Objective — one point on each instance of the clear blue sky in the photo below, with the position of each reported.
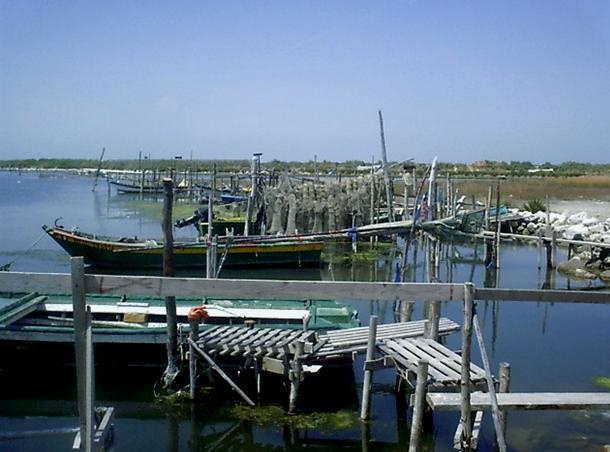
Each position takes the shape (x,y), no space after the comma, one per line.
(464,80)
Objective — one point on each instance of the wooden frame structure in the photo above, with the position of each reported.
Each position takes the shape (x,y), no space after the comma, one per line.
(466,293)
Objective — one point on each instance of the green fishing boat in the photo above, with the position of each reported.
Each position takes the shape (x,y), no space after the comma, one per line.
(141,253)
(141,320)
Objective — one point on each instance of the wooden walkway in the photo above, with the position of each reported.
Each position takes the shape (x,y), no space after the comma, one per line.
(256,342)
(524,401)
(277,343)
(355,339)
(444,365)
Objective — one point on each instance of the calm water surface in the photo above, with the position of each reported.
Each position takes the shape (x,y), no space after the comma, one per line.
(550,347)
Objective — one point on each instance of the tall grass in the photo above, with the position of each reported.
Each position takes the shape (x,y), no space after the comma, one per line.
(522,189)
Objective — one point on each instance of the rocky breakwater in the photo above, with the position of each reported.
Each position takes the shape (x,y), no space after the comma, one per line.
(588,261)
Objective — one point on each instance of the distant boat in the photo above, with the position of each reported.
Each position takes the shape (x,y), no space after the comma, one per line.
(123,187)
(126,252)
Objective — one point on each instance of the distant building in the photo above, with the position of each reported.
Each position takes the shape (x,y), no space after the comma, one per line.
(540,170)
(368,168)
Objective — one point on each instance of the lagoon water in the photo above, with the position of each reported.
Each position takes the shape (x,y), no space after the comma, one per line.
(559,347)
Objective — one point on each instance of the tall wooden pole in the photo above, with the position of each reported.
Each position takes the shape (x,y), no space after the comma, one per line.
(386,171)
(193,359)
(99,168)
(498,228)
(419,405)
(368,373)
(432,192)
(83,363)
(250,206)
(466,415)
(168,270)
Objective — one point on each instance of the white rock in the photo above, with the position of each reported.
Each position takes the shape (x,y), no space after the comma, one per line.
(571,231)
(589,221)
(577,217)
(596,227)
(540,216)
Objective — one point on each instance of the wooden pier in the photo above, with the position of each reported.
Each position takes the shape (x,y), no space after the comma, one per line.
(405,346)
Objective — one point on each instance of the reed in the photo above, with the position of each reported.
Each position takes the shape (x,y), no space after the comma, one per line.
(522,189)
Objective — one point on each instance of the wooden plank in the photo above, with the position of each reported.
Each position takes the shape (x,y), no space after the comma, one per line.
(80,338)
(211,332)
(421,350)
(104,429)
(234,344)
(236,347)
(524,401)
(20,309)
(476,430)
(249,349)
(224,338)
(27,434)
(273,365)
(254,347)
(272,289)
(231,288)
(491,389)
(220,372)
(284,344)
(17,302)
(453,360)
(352,336)
(551,296)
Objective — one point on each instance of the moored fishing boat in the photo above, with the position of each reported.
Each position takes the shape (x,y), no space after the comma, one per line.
(141,320)
(142,253)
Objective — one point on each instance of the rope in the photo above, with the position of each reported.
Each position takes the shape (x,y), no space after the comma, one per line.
(7,266)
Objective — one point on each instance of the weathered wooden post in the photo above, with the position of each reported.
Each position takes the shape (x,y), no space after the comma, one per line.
(553,248)
(368,371)
(434,316)
(168,270)
(406,310)
(495,410)
(372,209)
(295,375)
(215,256)
(386,171)
(539,248)
(498,228)
(405,206)
(432,191)
(504,386)
(465,411)
(419,405)
(83,347)
(549,255)
(211,204)
(487,208)
(193,359)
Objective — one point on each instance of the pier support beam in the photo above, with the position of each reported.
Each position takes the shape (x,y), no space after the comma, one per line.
(365,409)
(295,376)
(466,414)
(504,386)
(419,405)
(193,360)
(168,270)
(84,353)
